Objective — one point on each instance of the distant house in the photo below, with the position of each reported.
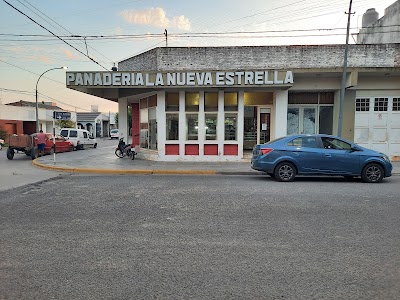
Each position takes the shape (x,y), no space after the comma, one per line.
(20,117)
(97,123)
(383,30)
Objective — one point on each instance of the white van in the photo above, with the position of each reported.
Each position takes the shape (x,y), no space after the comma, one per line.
(114,133)
(81,138)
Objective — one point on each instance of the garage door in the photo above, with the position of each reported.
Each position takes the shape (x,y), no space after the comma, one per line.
(377,124)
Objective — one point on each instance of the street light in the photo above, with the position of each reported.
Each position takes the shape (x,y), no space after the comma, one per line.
(37,106)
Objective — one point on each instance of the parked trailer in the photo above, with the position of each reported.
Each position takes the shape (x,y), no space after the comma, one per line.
(22,143)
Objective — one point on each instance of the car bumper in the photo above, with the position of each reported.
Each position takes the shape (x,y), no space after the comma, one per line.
(258,165)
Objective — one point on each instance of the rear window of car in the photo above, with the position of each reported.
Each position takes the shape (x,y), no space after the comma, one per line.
(114,131)
(309,142)
(273,141)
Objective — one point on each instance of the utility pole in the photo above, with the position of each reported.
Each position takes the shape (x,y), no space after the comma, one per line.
(343,85)
(166,38)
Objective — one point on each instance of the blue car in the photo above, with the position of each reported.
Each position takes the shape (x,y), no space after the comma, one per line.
(319,154)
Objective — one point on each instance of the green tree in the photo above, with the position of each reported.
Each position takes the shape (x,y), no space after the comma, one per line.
(65,124)
(129,118)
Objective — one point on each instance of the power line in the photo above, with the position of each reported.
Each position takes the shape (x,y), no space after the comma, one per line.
(145,36)
(55,35)
(52,20)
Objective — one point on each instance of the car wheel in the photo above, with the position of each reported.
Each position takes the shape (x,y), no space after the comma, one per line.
(132,155)
(372,173)
(51,152)
(119,153)
(285,171)
(10,153)
(71,148)
(95,145)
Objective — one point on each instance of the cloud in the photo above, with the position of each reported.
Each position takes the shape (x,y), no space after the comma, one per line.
(155,17)
(44,59)
(69,54)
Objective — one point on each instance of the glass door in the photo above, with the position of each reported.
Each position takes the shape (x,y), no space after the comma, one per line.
(301,120)
(309,120)
(250,127)
(264,125)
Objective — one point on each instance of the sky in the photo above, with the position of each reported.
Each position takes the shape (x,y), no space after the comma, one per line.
(95,34)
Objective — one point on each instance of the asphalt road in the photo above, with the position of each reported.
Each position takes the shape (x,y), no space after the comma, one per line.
(19,171)
(200,237)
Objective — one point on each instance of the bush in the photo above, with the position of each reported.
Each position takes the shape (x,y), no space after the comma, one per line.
(65,124)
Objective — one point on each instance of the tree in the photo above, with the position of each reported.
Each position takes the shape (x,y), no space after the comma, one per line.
(65,124)
(129,118)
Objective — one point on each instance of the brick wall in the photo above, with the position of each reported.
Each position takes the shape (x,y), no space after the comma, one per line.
(12,126)
(266,57)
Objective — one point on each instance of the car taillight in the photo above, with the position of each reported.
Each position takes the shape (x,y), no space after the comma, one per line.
(265,151)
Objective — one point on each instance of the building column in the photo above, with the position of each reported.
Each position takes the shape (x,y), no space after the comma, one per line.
(280,113)
(221,123)
(161,123)
(123,119)
(201,124)
(240,123)
(182,124)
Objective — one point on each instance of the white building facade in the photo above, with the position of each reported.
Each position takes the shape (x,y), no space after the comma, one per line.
(215,103)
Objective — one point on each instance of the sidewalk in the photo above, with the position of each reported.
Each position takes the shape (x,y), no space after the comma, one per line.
(104,161)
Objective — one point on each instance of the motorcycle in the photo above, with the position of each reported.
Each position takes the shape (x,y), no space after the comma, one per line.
(125,150)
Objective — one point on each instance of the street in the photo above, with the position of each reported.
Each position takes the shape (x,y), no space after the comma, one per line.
(200,237)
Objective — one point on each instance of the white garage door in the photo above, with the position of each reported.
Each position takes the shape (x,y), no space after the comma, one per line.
(377,124)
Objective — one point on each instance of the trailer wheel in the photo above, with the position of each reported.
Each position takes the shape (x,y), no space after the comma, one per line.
(10,153)
(34,153)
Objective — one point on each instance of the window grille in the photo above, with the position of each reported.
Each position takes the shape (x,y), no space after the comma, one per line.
(396,104)
(362,104)
(381,104)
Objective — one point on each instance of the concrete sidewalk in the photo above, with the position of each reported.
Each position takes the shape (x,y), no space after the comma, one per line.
(103,161)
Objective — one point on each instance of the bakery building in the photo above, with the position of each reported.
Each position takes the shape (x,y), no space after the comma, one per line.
(215,103)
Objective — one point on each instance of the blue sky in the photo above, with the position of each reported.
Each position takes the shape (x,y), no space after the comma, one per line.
(24,58)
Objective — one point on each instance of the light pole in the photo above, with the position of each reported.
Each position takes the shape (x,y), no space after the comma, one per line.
(37,106)
(343,84)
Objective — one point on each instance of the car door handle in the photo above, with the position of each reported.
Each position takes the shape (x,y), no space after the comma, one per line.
(328,155)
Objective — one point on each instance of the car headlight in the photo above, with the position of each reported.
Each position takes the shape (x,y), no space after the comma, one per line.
(385,157)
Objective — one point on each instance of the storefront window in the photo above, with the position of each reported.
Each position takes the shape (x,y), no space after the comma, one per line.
(325,119)
(293,120)
(152,129)
(192,101)
(172,102)
(211,126)
(210,101)
(231,101)
(310,112)
(192,127)
(230,127)
(172,127)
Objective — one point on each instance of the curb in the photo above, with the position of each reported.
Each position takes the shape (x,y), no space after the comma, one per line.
(112,171)
(148,172)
